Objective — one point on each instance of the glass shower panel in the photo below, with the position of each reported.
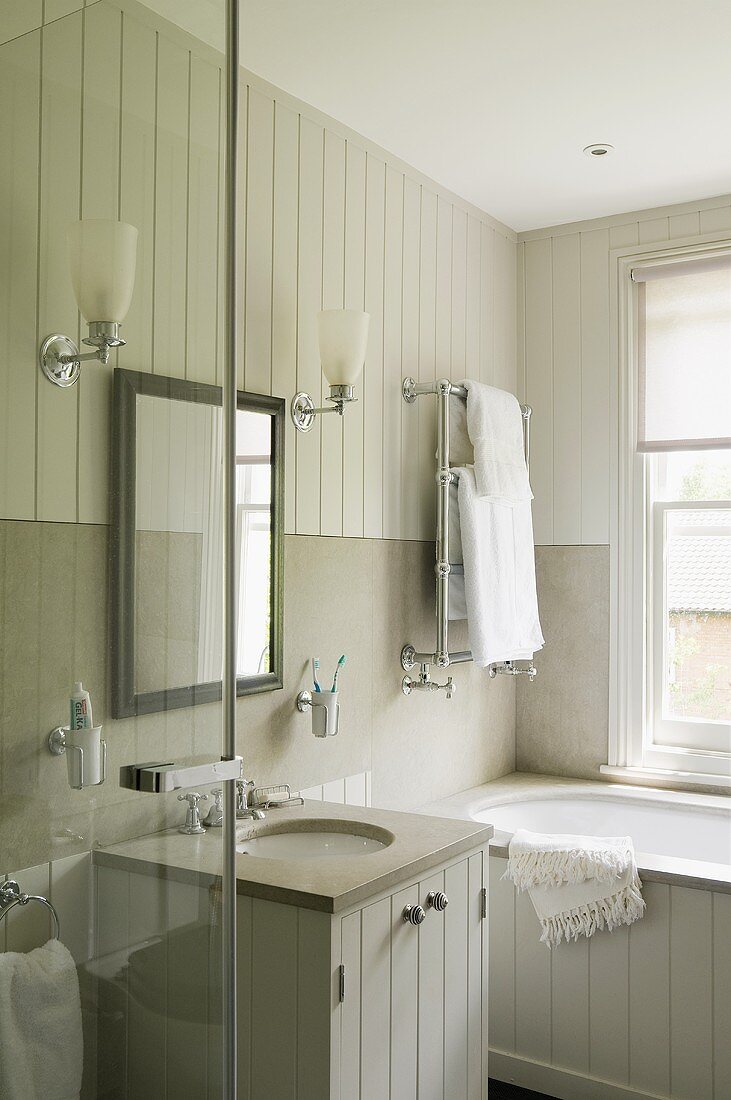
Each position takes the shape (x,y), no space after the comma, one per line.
(113,110)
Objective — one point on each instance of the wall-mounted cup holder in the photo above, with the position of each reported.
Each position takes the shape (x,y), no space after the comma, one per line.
(325,711)
(85,752)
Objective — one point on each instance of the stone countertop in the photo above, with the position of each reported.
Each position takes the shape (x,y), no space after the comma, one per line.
(328,885)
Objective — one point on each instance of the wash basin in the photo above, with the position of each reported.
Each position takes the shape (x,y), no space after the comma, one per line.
(324,839)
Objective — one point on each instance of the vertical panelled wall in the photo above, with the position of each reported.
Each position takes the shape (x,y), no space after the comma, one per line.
(565,367)
(128,126)
(333,222)
(134,117)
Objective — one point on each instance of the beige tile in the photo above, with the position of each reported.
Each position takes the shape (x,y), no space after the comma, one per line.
(327,611)
(426,746)
(562,717)
(358,596)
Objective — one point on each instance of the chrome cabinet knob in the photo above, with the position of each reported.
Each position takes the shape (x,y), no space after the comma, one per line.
(414,914)
(438,900)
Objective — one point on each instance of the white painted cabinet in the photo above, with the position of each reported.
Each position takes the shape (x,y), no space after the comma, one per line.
(361,1005)
(413,1016)
(353,1005)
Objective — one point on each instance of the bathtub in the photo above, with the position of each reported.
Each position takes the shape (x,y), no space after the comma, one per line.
(644,1011)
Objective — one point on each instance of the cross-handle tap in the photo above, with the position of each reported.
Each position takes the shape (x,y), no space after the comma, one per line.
(425,683)
(244,787)
(192,814)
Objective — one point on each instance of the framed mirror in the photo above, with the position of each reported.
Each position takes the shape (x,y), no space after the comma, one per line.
(166,552)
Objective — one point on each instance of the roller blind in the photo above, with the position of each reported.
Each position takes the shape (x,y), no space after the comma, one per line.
(684,331)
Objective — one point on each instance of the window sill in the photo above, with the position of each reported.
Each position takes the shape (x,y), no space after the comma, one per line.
(661,777)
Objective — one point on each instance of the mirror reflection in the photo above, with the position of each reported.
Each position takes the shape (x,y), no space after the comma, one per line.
(168,512)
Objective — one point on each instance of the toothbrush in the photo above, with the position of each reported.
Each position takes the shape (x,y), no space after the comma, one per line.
(315,670)
(339,665)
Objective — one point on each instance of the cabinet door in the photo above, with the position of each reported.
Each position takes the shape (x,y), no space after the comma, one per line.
(414,1016)
(453,987)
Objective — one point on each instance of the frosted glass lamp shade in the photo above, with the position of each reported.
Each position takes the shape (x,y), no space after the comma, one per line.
(343,337)
(102,255)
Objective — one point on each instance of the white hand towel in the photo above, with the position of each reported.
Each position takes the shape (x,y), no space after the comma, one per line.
(495,427)
(499,576)
(457,603)
(41,1044)
(578,884)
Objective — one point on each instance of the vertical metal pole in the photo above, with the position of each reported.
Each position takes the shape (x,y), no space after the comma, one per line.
(228,921)
(444,478)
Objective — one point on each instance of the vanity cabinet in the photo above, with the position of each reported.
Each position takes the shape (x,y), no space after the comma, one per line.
(339,998)
(362,1005)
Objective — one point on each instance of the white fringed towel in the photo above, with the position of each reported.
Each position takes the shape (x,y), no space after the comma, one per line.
(41,1044)
(578,884)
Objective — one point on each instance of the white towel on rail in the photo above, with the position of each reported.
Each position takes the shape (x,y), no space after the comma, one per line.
(578,884)
(41,1044)
(499,576)
(457,603)
(495,428)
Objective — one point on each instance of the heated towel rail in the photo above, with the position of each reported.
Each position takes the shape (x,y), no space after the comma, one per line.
(445,476)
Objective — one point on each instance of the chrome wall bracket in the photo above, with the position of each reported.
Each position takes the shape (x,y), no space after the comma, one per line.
(60,359)
(424,681)
(85,767)
(303,411)
(510,668)
(158,778)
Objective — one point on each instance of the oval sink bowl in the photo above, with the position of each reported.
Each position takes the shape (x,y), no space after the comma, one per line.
(313,844)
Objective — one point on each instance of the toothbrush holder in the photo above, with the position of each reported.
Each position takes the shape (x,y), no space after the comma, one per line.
(325,711)
(86,755)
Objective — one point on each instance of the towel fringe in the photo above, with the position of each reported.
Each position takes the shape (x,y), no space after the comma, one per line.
(624,907)
(556,868)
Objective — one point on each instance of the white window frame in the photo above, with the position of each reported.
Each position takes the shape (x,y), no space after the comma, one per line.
(694,733)
(629,754)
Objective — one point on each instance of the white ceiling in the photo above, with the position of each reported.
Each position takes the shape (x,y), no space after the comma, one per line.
(495,99)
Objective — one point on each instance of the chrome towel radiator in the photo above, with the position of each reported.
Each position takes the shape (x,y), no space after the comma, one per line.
(11,895)
(441,657)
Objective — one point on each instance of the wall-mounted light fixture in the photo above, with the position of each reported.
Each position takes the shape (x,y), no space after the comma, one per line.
(343,337)
(102,255)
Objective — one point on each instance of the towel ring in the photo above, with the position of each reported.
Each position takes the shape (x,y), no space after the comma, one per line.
(11,895)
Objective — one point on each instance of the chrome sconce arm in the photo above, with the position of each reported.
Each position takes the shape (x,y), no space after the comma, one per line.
(59,357)
(303,411)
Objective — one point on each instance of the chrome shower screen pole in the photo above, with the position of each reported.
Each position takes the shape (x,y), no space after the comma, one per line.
(228,747)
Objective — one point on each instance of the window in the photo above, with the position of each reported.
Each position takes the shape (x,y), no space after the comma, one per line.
(672,655)
(688,644)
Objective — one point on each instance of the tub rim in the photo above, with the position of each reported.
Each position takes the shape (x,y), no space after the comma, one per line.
(528,787)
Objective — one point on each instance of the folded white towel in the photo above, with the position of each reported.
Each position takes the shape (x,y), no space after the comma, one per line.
(499,575)
(495,428)
(41,1044)
(578,884)
(461,452)
(457,602)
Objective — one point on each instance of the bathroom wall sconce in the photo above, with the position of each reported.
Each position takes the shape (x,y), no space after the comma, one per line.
(102,256)
(343,338)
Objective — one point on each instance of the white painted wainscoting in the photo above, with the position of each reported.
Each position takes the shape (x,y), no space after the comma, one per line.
(642,1012)
(565,370)
(328,220)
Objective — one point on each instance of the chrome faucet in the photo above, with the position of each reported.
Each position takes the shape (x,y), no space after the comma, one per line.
(193,814)
(425,683)
(244,787)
